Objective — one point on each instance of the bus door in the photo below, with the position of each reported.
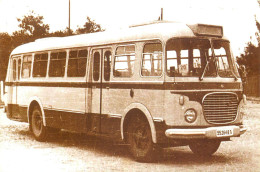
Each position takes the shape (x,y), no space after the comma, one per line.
(16,78)
(98,79)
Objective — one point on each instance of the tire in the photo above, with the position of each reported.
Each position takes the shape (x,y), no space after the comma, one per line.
(38,129)
(205,147)
(139,139)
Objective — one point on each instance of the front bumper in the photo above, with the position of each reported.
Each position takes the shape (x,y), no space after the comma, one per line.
(210,132)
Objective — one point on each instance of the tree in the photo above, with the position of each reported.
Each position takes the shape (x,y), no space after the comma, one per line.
(5,50)
(59,33)
(89,27)
(251,57)
(33,25)
(32,28)
(20,37)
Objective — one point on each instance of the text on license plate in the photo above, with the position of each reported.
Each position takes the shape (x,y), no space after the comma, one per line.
(224,132)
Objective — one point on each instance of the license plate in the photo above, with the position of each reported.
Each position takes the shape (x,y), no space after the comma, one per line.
(224,132)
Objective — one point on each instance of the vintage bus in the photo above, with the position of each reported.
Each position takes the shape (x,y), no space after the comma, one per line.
(158,84)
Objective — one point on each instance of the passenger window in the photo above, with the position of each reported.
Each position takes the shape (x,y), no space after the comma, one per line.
(57,64)
(124,61)
(26,67)
(107,65)
(14,69)
(152,60)
(77,63)
(40,65)
(19,68)
(96,66)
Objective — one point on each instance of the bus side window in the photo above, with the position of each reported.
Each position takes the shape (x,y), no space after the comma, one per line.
(26,67)
(14,69)
(40,65)
(96,66)
(57,64)
(124,61)
(152,60)
(77,63)
(107,65)
(19,68)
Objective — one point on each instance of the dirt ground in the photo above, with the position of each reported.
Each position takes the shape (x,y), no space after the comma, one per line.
(73,152)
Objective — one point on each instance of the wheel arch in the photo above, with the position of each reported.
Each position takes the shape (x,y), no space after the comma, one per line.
(34,101)
(134,107)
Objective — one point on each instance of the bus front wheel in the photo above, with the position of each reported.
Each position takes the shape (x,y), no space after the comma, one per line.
(204,147)
(38,129)
(139,138)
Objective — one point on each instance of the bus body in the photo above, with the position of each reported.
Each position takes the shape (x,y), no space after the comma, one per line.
(163,83)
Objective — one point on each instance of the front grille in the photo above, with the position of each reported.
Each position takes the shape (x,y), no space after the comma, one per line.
(220,108)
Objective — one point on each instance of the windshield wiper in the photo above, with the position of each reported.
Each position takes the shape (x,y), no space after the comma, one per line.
(213,55)
(204,71)
(208,60)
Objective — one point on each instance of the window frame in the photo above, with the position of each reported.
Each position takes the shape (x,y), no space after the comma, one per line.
(47,63)
(68,58)
(22,66)
(179,58)
(96,51)
(122,55)
(110,64)
(162,59)
(50,60)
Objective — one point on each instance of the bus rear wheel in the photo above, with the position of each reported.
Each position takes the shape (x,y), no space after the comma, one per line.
(140,141)
(38,129)
(204,147)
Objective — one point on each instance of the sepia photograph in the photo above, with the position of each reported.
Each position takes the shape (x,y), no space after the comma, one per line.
(152,85)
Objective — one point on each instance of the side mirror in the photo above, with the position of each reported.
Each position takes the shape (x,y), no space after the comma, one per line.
(172,71)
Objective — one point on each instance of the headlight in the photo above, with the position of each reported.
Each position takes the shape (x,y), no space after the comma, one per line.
(190,115)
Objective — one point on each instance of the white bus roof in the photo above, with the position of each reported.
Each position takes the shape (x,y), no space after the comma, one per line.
(156,30)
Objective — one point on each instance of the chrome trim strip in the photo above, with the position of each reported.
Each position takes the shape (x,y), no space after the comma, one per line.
(180,91)
(63,110)
(157,119)
(115,116)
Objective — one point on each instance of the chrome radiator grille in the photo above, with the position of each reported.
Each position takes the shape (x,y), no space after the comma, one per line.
(220,108)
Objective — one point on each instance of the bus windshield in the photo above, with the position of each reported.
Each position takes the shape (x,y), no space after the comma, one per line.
(195,57)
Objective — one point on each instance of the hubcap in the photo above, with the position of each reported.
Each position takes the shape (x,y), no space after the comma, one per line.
(37,123)
(141,138)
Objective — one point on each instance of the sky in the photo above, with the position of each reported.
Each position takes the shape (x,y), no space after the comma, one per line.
(236,16)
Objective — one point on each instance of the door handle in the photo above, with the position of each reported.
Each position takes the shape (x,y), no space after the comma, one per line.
(132,92)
